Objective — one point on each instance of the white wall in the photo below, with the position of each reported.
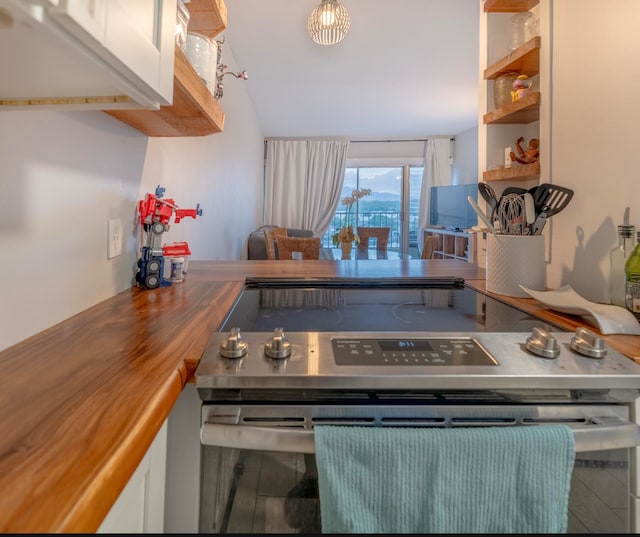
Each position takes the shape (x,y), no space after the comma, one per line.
(595,114)
(63,175)
(465,158)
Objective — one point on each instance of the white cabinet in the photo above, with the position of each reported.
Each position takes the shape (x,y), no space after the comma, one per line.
(87,54)
(182,500)
(140,506)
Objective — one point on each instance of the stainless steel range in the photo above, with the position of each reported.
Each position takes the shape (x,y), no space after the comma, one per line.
(297,354)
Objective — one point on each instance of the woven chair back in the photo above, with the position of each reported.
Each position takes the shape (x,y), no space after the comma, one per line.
(308,246)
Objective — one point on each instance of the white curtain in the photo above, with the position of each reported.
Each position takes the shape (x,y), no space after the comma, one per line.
(303,182)
(437,172)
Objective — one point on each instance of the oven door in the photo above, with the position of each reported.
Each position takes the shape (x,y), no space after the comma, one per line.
(258,472)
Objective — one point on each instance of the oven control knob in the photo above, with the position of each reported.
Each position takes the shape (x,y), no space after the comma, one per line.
(234,346)
(542,343)
(278,346)
(588,343)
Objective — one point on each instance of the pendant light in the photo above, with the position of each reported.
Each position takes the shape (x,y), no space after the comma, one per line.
(328,23)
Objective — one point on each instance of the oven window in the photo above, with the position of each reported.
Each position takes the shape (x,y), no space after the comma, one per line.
(259,492)
(246,491)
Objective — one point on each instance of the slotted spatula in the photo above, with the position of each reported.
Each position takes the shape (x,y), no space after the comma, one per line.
(489,196)
(549,200)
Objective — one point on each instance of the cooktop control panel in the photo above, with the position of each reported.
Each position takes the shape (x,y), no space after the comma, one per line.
(410,352)
(395,360)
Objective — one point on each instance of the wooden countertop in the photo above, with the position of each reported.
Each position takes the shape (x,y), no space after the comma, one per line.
(82,401)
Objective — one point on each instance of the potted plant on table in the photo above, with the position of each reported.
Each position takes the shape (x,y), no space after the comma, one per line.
(347,236)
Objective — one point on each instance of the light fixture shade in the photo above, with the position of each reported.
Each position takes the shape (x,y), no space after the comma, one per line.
(328,23)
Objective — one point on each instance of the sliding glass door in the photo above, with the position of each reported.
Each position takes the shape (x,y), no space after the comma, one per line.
(394,202)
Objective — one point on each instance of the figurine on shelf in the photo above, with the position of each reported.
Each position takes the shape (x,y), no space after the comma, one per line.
(527,156)
(521,87)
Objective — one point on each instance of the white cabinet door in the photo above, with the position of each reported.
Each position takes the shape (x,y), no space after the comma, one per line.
(88,16)
(141,34)
(140,506)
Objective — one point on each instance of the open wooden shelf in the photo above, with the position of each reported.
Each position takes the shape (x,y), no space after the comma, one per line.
(194,111)
(509,6)
(522,111)
(520,172)
(207,17)
(525,60)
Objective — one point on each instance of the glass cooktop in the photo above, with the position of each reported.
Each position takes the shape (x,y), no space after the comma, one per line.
(411,304)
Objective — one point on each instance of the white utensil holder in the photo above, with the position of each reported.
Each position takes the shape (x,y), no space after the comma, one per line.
(513,260)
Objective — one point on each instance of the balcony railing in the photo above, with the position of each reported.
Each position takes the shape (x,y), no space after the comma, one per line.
(375,219)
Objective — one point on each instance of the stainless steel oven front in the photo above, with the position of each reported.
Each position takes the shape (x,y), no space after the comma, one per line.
(263,393)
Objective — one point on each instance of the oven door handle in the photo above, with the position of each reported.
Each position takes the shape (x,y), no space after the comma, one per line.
(601,434)
(257,438)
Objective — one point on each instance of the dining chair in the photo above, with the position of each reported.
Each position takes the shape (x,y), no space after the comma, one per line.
(270,236)
(380,233)
(429,246)
(309,247)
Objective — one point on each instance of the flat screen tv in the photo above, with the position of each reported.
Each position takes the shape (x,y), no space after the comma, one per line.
(449,207)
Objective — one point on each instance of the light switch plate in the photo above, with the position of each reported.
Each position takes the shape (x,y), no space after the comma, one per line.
(507,157)
(114,238)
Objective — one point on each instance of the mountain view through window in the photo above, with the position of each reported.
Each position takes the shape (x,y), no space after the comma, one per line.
(394,202)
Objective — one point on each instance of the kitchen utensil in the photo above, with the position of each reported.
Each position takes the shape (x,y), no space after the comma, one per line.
(547,194)
(489,196)
(482,216)
(529,211)
(549,200)
(511,212)
(513,190)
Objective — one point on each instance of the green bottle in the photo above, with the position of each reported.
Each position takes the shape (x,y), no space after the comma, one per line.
(632,272)
(617,258)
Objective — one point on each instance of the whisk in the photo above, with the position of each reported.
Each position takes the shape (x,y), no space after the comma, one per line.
(511,211)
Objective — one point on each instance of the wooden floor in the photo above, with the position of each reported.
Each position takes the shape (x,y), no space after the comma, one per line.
(598,501)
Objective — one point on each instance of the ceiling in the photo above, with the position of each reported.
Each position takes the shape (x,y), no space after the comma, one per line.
(407,68)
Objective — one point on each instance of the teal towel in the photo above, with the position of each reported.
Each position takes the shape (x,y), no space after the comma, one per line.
(425,480)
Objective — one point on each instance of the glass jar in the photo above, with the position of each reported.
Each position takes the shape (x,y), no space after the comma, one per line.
(520,29)
(202,53)
(182,23)
(502,88)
